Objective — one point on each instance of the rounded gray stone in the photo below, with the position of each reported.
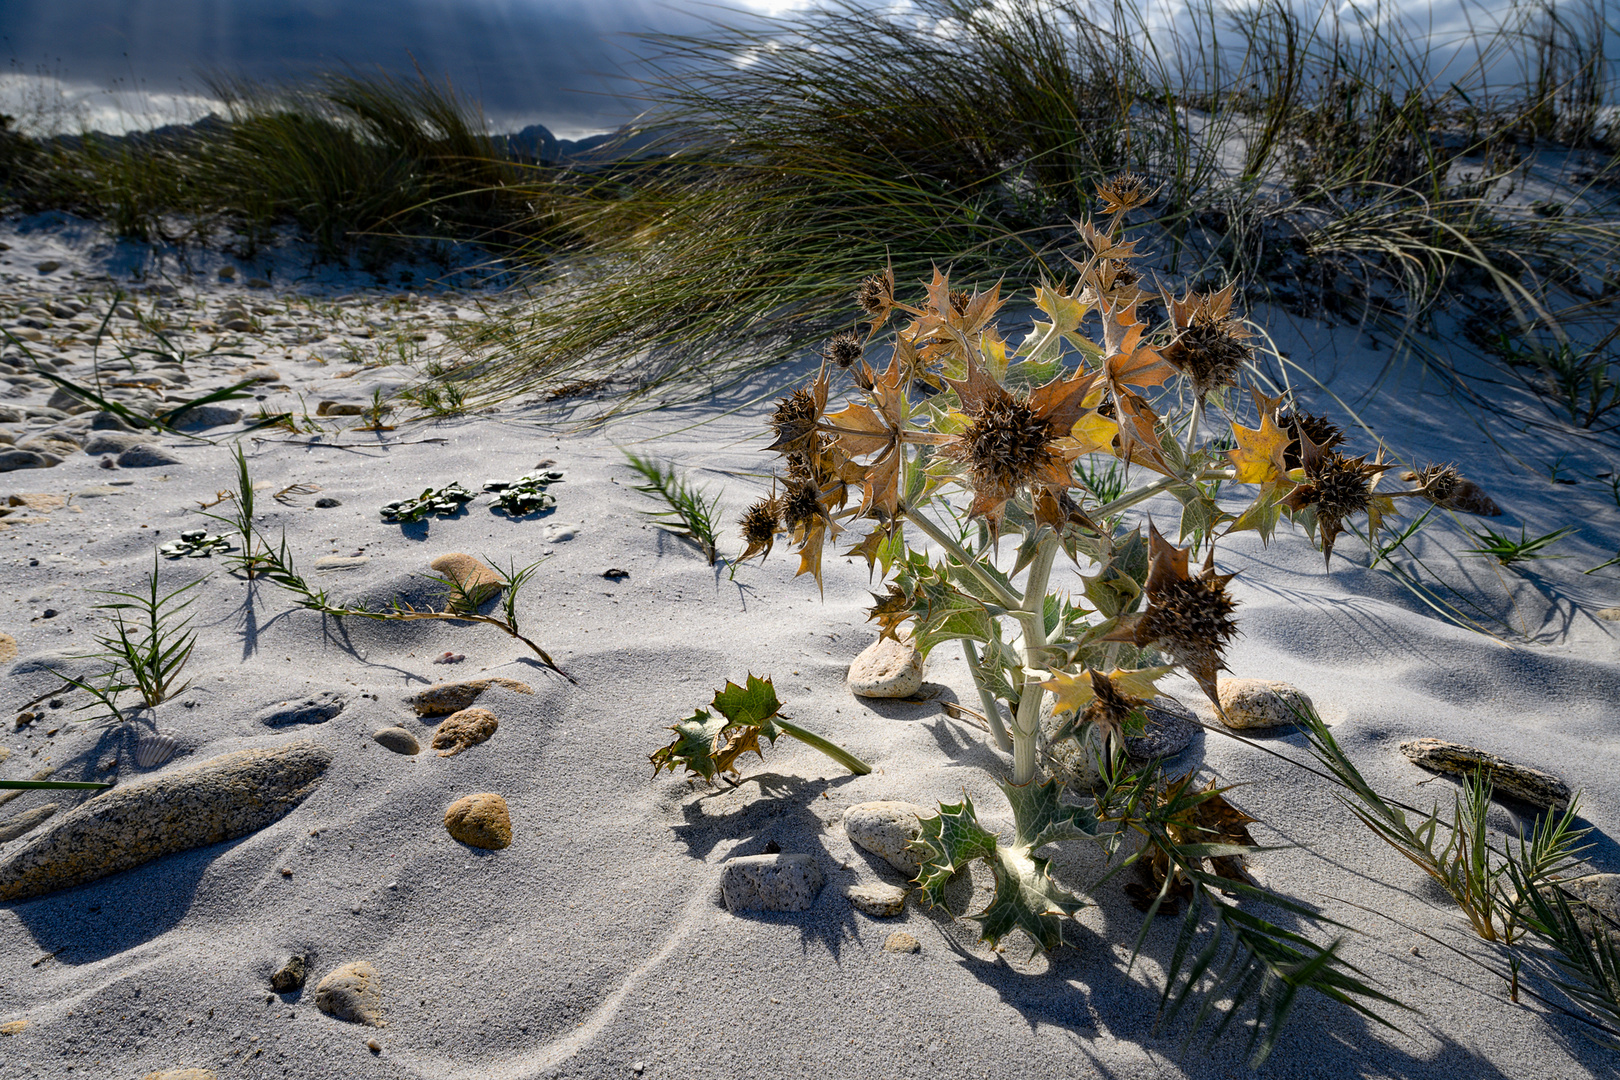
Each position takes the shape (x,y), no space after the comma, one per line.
(145,457)
(771,883)
(12,460)
(208,803)
(398,740)
(25,822)
(886,829)
(116,442)
(207,416)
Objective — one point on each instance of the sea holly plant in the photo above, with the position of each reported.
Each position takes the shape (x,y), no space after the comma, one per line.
(527,494)
(708,744)
(1011,458)
(444,502)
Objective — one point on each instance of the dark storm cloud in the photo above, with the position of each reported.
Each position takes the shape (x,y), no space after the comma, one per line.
(550,60)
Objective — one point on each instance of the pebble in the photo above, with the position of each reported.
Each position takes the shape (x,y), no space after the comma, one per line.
(1170,727)
(326,502)
(472,576)
(1261,703)
(441,699)
(339,408)
(207,416)
(1609,614)
(25,822)
(480,821)
(47,266)
(463,730)
(12,460)
(398,740)
(1517,781)
(182,1074)
(886,828)
(901,942)
(352,992)
(881,900)
(771,883)
(115,442)
(317,709)
(146,457)
(1598,896)
(886,669)
(8,648)
(291,975)
(13,1027)
(332,564)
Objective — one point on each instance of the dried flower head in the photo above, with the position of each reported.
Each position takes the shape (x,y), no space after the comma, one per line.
(760,524)
(1321,431)
(1444,486)
(875,294)
(1124,192)
(801,504)
(794,423)
(1013,442)
(843,348)
(960,301)
(1112,710)
(1189,618)
(1335,487)
(1211,352)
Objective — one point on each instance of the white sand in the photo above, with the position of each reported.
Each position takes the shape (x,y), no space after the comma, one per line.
(596,944)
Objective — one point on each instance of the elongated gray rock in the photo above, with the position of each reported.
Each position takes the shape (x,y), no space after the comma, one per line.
(771,883)
(208,803)
(1507,778)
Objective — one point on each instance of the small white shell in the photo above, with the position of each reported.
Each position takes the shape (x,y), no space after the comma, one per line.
(153,748)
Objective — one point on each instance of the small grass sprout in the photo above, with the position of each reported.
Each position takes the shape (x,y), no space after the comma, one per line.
(1507,550)
(691,512)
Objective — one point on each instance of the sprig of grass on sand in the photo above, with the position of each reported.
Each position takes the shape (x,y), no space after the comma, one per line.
(691,513)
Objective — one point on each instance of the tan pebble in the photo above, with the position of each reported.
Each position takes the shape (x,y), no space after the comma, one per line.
(463,730)
(886,669)
(352,992)
(472,576)
(880,901)
(374,1046)
(902,942)
(480,821)
(441,699)
(12,1027)
(181,1074)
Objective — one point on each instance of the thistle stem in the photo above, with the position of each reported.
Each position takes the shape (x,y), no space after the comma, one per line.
(1027,721)
(992,712)
(831,749)
(1192,424)
(1003,595)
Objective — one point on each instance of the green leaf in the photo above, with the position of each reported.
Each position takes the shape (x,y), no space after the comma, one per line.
(694,747)
(1040,817)
(752,705)
(1026,899)
(50,785)
(949,841)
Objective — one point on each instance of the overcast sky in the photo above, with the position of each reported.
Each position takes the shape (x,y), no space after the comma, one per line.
(560,62)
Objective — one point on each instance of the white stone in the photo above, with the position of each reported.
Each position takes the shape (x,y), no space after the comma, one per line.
(771,883)
(1262,703)
(886,829)
(887,669)
(881,900)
